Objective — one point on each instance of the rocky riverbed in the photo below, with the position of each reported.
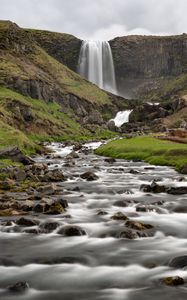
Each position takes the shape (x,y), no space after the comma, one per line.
(74,225)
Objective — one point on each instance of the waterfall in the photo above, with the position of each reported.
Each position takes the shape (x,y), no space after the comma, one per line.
(122,117)
(96,64)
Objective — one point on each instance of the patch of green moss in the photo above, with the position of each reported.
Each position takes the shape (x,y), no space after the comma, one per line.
(149,149)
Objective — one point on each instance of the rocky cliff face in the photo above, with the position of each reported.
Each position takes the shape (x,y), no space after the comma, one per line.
(143,63)
(63,47)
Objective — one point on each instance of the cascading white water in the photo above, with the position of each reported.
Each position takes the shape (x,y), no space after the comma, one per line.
(122,117)
(96,64)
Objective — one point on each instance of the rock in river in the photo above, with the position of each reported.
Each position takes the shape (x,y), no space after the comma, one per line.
(72,230)
(89,176)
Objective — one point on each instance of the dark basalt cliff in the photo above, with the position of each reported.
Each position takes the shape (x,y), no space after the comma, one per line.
(144,63)
(63,47)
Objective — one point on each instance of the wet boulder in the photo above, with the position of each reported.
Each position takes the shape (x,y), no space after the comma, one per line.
(102,213)
(55,209)
(111,125)
(178,262)
(173,281)
(77,146)
(119,216)
(181,190)
(32,231)
(110,160)
(128,234)
(21,286)
(11,212)
(184,169)
(89,176)
(38,168)
(53,176)
(26,205)
(69,162)
(134,172)
(16,155)
(48,189)
(72,230)
(72,154)
(138,225)
(147,208)
(153,188)
(49,226)
(27,222)
(121,203)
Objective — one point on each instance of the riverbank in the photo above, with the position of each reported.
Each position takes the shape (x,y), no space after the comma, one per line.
(148,149)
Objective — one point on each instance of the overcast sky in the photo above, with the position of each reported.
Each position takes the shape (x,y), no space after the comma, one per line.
(99,19)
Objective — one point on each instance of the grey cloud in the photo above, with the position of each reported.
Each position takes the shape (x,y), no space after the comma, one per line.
(107,18)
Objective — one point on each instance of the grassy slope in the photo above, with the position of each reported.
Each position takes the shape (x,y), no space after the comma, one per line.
(170,86)
(21,58)
(48,123)
(149,149)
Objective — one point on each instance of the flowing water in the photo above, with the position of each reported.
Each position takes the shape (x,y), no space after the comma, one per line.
(100,265)
(122,117)
(96,64)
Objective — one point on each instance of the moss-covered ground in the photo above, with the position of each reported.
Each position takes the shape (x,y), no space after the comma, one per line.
(149,149)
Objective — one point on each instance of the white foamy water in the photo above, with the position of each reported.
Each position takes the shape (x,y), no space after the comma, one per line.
(96,64)
(122,117)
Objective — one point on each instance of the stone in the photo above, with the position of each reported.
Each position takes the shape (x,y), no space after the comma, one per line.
(153,188)
(77,146)
(20,175)
(55,209)
(27,222)
(39,208)
(184,169)
(11,212)
(72,230)
(49,226)
(63,202)
(53,176)
(119,216)
(19,287)
(39,168)
(128,234)
(73,154)
(27,205)
(16,155)
(173,281)
(181,190)
(102,213)
(110,160)
(120,203)
(138,225)
(48,189)
(111,125)
(132,171)
(89,176)
(69,163)
(7,185)
(178,262)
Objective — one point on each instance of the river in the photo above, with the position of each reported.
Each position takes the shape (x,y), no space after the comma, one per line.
(100,265)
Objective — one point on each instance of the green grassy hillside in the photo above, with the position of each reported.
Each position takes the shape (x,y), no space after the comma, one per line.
(40,98)
(149,149)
